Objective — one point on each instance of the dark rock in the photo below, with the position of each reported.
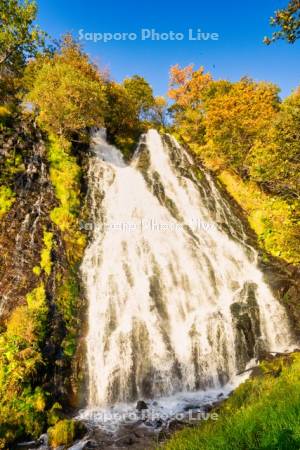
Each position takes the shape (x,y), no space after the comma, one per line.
(207,408)
(189,407)
(141,405)
(158,423)
(175,425)
(126,440)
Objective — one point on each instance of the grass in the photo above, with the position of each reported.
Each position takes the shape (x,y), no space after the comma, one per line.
(262,414)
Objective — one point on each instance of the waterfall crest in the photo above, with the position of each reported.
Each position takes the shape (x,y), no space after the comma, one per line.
(176,300)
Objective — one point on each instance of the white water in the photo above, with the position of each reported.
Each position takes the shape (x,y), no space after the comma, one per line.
(161,277)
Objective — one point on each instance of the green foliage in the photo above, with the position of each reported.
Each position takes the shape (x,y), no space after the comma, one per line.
(65,177)
(288,21)
(64,432)
(272,218)
(5,116)
(11,166)
(54,414)
(187,89)
(37,270)
(11,161)
(69,305)
(140,94)
(22,405)
(234,118)
(68,91)
(262,414)
(22,416)
(20,38)
(7,199)
(122,118)
(46,262)
(275,160)
(130,111)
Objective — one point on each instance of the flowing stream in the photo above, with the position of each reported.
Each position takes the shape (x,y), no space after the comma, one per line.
(177,303)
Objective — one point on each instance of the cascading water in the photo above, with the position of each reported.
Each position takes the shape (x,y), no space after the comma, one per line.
(176,301)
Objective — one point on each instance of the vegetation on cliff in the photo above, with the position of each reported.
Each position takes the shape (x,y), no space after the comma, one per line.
(251,140)
(22,401)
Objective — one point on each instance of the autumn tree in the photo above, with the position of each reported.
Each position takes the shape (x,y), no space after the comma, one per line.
(274,161)
(288,22)
(20,38)
(122,118)
(221,119)
(187,90)
(140,94)
(67,90)
(159,112)
(235,114)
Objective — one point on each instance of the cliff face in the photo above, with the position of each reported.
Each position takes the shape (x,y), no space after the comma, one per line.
(34,255)
(24,168)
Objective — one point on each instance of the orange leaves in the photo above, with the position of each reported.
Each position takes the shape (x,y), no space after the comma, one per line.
(180,76)
(187,85)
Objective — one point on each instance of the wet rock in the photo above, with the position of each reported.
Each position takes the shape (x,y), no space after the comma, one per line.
(207,408)
(128,440)
(158,423)
(246,322)
(141,405)
(80,445)
(29,444)
(176,424)
(43,439)
(189,407)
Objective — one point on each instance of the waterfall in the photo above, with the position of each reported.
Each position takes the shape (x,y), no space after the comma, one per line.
(176,300)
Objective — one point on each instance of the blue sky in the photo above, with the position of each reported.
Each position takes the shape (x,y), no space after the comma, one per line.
(239,51)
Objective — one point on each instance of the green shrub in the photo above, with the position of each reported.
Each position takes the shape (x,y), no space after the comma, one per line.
(7,199)
(46,263)
(64,432)
(5,115)
(22,405)
(68,301)
(54,414)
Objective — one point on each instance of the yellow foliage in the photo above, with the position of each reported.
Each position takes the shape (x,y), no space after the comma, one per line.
(46,262)
(270,217)
(68,91)
(62,433)
(7,199)
(22,325)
